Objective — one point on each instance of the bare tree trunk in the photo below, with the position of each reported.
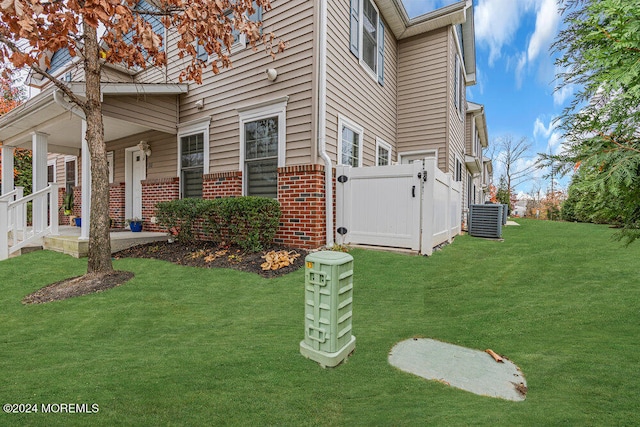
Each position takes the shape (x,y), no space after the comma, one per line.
(99,242)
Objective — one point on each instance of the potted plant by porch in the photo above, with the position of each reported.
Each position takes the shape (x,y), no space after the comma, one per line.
(135,224)
(67,207)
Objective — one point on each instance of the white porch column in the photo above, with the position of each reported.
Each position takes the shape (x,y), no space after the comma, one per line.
(7,169)
(39,178)
(86,185)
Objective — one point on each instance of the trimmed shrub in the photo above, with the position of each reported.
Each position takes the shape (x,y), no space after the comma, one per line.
(249,222)
(179,216)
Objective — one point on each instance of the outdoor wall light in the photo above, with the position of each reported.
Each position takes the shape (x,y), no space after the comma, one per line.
(144,147)
(272,74)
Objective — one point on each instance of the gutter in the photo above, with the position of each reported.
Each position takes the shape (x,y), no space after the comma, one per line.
(322,123)
(58,97)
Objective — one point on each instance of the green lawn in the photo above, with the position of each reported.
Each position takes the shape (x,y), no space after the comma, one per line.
(183,346)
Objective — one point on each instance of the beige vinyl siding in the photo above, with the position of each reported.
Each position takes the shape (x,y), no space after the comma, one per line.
(246,85)
(456,142)
(353,93)
(156,112)
(423,86)
(163,160)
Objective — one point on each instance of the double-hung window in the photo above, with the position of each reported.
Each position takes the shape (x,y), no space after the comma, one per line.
(367,37)
(192,164)
(70,173)
(383,153)
(262,142)
(350,140)
(51,171)
(193,156)
(239,39)
(458,171)
(458,87)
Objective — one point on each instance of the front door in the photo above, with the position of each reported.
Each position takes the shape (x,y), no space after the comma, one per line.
(136,164)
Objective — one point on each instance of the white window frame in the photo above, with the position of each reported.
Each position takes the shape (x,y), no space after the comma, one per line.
(110,156)
(382,144)
(458,166)
(68,159)
(190,128)
(358,130)
(276,107)
(372,73)
(235,47)
(425,153)
(457,95)
(55,169)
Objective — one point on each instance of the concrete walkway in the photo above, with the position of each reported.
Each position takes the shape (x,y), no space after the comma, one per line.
(471,370)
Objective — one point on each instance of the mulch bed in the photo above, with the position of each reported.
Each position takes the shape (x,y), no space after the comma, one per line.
(77,286)
(195,254)
(208,255)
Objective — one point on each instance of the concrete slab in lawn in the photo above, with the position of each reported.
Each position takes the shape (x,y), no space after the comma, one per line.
(471,370)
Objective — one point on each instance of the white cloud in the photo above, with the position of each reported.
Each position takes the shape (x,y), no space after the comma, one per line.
(562,94)
(547,22)
(520,70)
(496,22)
(549,135)
(542,131)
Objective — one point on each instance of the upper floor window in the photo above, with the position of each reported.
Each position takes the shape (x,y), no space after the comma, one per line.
(239,39)
(458,87)
(367,37)
(350,140)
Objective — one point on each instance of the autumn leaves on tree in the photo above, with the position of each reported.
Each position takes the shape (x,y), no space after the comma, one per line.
(121,32)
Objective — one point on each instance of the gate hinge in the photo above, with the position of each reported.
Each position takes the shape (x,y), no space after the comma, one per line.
(342,179)
(342,231)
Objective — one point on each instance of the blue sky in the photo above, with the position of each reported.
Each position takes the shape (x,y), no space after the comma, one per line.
(516,72)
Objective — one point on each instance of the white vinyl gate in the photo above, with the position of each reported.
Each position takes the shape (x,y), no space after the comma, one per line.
(414,206)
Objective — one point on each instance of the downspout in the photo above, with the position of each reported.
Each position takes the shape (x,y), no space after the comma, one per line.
(322,122)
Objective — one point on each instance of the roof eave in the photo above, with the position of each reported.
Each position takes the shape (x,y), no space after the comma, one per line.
(403,27)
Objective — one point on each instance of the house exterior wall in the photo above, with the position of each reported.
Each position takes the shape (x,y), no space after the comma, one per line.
(353,93)
(413,111)
(423,86)
(456,135)
(156,112)
(246,84)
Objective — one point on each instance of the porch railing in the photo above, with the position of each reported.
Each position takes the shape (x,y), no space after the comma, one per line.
(14,230)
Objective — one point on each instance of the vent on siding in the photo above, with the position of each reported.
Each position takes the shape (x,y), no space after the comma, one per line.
(486,221)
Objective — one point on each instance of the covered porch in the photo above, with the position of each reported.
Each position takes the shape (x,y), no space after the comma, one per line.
(48,123)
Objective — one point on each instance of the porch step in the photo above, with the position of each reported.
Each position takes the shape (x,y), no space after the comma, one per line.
(72,245)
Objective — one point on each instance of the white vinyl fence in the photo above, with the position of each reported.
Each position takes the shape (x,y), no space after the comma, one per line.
(414,206)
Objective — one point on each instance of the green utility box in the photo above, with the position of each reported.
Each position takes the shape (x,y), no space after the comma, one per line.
(328,297)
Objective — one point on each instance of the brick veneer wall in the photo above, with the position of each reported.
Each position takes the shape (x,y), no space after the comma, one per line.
(301,195)
(153,192)
(117,204)
(62,218)
(222,184)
